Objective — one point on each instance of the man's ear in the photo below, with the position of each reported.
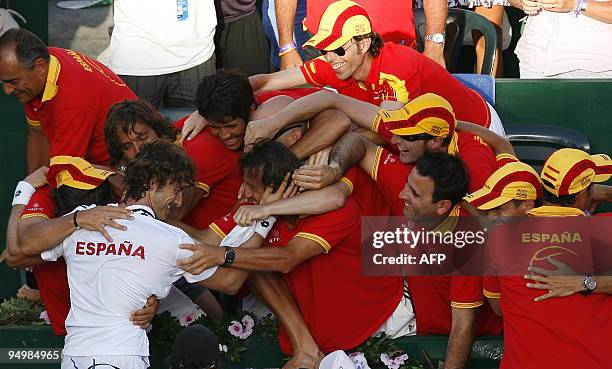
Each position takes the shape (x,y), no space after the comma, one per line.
(435,143)
(443,206)
(364,45)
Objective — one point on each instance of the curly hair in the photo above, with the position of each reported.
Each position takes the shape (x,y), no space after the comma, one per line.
(224,96)
(123,115)
(273,158)
(376,43)
(158,163)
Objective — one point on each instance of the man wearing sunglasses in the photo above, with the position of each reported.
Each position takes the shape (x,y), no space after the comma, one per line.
(357,63)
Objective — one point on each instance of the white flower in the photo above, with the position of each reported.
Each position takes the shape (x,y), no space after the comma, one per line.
(224,348)
(358,358)
(44,316)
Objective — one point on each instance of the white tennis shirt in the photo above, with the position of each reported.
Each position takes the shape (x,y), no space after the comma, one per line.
(110,280)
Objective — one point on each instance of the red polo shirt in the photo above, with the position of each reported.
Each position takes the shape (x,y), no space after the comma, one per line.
(216,173)
(433,297)
(560,332)
(73,107)
(401,73)
(51,277)
(366,194)
(395,23)
(341,307)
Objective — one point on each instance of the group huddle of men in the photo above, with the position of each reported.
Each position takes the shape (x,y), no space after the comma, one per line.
(265,188)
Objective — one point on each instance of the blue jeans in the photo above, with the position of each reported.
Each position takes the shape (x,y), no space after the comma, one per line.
(271,30)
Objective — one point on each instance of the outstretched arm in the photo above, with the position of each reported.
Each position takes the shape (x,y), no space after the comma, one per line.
(288,78)
(499,144)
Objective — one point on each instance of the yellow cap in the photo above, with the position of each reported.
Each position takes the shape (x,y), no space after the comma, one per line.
(75,172)
(341,21)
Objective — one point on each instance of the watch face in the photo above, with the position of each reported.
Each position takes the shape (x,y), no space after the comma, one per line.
(590,283)
(437,38)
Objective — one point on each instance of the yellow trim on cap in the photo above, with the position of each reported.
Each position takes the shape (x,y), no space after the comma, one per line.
(354,26)
(52,77)
(466,305)
(215,228)
(453,146)
(505,156)
(491,295)
(318,239)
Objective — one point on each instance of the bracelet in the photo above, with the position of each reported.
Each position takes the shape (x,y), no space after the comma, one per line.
(581,5)
(286,51)
(263,227)
(23,193)
(74,219)
(287,48)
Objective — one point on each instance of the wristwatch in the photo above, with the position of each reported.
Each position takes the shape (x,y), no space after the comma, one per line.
(436,38)
(230,255)
(590,284)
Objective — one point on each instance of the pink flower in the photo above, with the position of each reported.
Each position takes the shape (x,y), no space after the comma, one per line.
(248,322)
(358,358)
(44,316)
(401,359)
(235,329)
(246,334)
(394,363)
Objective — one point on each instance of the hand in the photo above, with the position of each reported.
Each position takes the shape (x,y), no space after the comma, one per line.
(38,178)
(435,52)
(282,192)
(246,215)
(143,317)
(204,257)
(193,125)
(319,158)
(560,282)
(97,218)
(4,255)
(530,7)
(290,60)
(314,177)
(558,6)
(258,130)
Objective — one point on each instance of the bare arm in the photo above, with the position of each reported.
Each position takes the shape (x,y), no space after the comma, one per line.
(436,12)
(282,80)
(306,203)
(285,16)
(36,237)
(598,10)
(37,149)
(17,259)
(271,288)
(499,144)
(324,131)
(494,304)
(461,338)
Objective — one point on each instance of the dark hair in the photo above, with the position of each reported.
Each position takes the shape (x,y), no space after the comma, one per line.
(124,115)
(28,47)
(273,158)
(564,200)
(161,163)
(448,174)
(67,198)
(376,43)
(225,95)
(195,347)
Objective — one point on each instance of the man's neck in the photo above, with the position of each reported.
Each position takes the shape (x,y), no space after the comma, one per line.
(362,72)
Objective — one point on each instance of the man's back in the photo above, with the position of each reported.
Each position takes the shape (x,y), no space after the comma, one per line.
(109,280)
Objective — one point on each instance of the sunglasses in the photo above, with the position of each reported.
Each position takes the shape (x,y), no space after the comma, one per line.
(339,51)
(419,137)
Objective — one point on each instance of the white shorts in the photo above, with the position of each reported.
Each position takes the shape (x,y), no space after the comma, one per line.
(402,322)
(105,362)
(496,124)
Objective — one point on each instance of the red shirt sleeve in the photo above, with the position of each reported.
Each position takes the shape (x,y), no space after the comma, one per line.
(223,226)
(319,73)
(466,292)
(478,158)
(40,205)
(490,287)
(330,229)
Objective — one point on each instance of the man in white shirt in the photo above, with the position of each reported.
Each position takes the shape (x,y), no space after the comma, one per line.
(110,278)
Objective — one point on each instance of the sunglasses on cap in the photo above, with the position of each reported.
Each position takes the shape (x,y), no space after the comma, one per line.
(339,51)
(419,137)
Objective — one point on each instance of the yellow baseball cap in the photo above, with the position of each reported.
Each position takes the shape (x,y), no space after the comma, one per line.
(75,172)
(513,181)
(569,171)
(428,113)
(341,21)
